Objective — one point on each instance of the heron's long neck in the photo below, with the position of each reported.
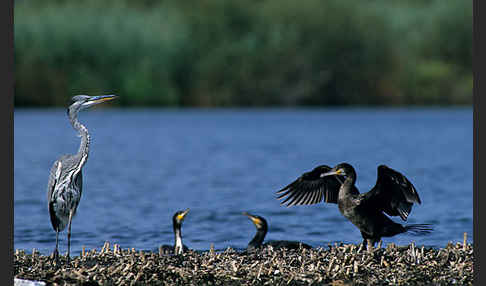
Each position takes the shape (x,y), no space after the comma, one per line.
(83,133)
(178,247)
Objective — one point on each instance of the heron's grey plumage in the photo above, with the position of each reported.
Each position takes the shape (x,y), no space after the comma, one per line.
(65,184)
(64,189)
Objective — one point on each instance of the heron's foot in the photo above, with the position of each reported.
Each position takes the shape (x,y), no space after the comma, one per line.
(55,256)
(68,258)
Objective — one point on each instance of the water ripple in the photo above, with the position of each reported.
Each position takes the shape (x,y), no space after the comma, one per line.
(144,166)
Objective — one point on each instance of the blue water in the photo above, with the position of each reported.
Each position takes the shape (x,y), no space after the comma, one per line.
(145,164)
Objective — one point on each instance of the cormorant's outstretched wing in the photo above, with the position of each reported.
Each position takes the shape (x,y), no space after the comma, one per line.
(393,193)
(310,188)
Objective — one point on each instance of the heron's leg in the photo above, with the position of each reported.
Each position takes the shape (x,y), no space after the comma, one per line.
(69,234)
(56,252)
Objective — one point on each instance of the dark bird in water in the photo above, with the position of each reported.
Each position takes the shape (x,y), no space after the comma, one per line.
(66,179)
(178,247)
(262,228)
(393,194)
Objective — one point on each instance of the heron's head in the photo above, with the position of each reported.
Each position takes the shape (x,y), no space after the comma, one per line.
(80,102)
(259,222)
(178,217)
(343,169)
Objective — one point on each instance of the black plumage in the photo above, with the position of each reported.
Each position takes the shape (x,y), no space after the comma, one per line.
(393,194)
(262,229)
(178,247)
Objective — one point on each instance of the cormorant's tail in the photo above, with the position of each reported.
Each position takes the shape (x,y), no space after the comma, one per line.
(419,229)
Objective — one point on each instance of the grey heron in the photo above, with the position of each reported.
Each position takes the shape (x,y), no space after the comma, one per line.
(392,194)
(66,179)
(262,228)
(178,247)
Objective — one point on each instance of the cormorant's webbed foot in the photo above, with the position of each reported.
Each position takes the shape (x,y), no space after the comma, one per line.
(368,244)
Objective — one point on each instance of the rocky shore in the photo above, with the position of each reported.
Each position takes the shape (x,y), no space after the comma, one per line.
(334,265)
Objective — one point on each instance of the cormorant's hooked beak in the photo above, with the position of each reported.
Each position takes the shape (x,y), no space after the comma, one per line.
(182,215)
(98,99)
(254,219)
(247,214)
(332,172)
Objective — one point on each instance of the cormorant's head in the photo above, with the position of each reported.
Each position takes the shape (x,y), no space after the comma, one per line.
(382,168)
(343,169)
(80,102)
(178,218)
(259,222)
(317,171)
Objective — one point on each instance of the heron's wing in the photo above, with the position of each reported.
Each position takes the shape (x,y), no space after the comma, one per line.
(79,181)
(393,193)
(54,177)
(66,167)
(310,188)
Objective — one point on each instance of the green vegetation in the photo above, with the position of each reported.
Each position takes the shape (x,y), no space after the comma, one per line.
(244,53)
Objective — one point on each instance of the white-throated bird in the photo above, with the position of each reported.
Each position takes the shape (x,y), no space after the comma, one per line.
(178,247)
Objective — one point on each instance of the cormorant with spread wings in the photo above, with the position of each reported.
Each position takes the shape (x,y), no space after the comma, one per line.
(392,194)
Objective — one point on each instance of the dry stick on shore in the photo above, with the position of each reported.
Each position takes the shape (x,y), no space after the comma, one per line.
(464,242)
(411,264)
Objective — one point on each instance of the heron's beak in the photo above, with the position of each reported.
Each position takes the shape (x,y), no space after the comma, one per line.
(181,216)
(98,99)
